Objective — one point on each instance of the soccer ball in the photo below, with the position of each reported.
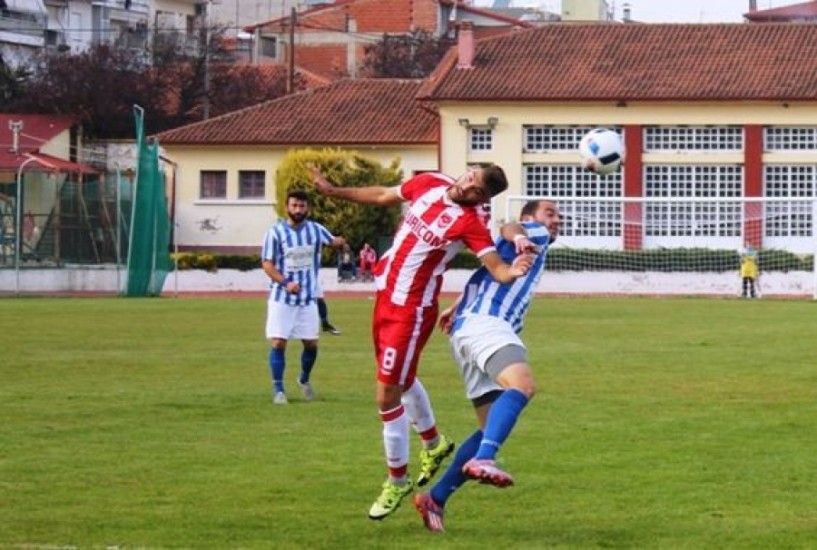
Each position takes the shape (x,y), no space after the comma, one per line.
(601,151)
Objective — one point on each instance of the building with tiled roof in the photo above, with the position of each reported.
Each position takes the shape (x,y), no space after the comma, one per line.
(330,39)
(710,111)
(37,157)
(715,110)
(226,165)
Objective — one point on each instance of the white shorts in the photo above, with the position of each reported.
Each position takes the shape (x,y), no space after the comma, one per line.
(292,322)
(473,343)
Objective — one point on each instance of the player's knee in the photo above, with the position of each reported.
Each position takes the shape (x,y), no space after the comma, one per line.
(518,377)
(529,389)
(388,396)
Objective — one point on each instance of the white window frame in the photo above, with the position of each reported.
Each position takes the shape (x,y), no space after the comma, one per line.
(696,139)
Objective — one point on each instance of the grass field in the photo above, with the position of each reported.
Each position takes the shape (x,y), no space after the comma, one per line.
(659,423)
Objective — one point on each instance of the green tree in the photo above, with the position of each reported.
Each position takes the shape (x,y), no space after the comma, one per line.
(13,85)
(358,223)
(414,55)
(175,82)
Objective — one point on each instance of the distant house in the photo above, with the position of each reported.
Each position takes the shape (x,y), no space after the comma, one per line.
(37,163)
(329,39)
(225,175)
(30,26)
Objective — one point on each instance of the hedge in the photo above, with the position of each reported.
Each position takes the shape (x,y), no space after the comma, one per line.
(570,259)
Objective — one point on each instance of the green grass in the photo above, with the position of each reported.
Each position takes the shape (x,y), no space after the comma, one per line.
(659,423)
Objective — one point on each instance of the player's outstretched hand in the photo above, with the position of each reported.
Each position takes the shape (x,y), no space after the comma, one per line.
(521,264)
(523,244)
(321,183)
(446,320)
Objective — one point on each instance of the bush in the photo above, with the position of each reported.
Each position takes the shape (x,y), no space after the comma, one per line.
(670,259)
(214,262)
(567,259)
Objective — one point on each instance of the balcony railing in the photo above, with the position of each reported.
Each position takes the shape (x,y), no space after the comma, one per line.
(23,22)
(136,6)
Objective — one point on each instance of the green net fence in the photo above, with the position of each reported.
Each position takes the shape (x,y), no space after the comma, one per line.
(148,253)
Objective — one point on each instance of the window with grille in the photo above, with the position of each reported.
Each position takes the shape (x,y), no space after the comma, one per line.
(251,184)
(789,139)
(789,219)
(579,218)
(213,184)
(549,139)
(693,138)
(481,139)
(690,218)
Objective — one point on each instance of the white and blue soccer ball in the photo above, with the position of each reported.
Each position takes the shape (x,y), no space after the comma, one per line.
(601,151)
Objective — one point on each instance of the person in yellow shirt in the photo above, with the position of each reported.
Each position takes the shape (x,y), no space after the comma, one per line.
(749,272)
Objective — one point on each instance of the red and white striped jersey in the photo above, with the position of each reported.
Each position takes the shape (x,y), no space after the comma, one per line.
(433,230)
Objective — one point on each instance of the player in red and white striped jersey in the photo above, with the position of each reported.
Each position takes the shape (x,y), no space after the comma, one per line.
(443,215)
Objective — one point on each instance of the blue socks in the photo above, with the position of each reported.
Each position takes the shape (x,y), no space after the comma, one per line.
(277,362)
(308,358)
(453,478)
(483,446)
(501,420)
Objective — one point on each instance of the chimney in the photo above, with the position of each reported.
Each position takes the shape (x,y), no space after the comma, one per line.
(627,14)
(465,45)
(752,6)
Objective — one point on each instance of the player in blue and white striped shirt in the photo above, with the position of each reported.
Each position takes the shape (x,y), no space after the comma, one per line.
(484,325)
(291,258)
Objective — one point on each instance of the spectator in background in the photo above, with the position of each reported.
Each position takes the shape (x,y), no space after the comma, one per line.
(347,270)
(368,258)
(749,272)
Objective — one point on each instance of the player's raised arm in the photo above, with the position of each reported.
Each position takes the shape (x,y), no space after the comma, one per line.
(502,272)
(515,233)
(376,194)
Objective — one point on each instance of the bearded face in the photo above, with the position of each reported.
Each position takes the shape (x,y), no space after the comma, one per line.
(297,210)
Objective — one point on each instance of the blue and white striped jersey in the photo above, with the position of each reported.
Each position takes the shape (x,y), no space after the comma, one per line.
(296,253)
(484,296)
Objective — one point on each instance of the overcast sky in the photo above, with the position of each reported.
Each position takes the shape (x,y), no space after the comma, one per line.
(671,11)
(694,11)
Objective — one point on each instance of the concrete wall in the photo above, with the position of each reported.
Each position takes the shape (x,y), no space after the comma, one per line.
(107,280)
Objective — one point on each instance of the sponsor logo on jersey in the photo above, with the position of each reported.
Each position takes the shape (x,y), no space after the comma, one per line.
(423,231)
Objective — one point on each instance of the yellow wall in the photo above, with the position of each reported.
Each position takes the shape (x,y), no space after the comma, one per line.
(59,146)
(242,223)
(508,145)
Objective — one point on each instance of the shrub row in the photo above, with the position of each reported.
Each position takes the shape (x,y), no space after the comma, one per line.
(664,259)
(569,259)
(214,262)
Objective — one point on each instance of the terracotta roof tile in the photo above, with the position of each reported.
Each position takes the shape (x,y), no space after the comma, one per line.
(37,131)
(362,111)
(590,62)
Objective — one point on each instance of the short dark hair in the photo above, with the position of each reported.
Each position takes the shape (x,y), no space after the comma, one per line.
(298,194)
(494,178)
(529,209)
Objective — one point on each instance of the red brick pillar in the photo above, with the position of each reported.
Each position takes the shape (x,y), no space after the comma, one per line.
(753,181)
(633,187)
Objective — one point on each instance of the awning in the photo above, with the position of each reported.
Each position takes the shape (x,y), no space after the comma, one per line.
(9,164)
(55,164)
